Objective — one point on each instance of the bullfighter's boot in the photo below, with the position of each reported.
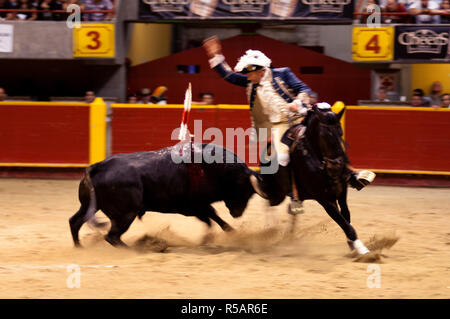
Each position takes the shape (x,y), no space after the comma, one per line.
(286,183)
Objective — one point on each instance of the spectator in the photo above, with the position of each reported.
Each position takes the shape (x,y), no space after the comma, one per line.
(58,5)
(158,96)
(367,8)
(313,97)
(47,6)
(417,101)
(4,4)
(407,3)
(425,100)
(381,95)
(79,3)
(132,99)
(96,5)
(207,99)
(445,8)
(435,94)
(89,97)
(12,4)
(425,6)
(394,6)
(146,95)
(3,95)
(26,16)
(445,98)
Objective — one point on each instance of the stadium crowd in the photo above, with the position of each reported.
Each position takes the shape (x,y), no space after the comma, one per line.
(436,99)
(407,11)
(44,10)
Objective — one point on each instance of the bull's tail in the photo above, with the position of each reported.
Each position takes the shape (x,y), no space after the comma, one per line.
(92,209)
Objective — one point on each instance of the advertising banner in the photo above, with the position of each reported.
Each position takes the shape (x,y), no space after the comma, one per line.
(151,10)
(6,38)
(428,43)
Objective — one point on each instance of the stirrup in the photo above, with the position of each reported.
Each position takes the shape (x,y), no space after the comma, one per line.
(295,207)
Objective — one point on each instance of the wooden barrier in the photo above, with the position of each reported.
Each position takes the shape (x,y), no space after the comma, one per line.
(150,127)
(399,140)
(43,135)
(52,135)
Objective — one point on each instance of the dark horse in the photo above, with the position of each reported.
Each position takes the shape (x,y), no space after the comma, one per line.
(318,162)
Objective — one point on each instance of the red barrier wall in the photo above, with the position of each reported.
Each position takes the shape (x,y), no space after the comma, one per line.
(150,128)
(381,138)
(38,132)
(393,138)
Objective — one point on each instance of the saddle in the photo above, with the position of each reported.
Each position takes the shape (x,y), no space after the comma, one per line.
(292,136)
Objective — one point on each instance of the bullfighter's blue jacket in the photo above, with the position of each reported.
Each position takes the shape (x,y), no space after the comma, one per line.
(284,81)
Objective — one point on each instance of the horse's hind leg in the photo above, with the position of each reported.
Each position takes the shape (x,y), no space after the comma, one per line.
(352,239)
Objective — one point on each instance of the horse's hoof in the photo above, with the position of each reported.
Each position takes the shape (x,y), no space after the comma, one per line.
(358,246)
(295,207)
(365,178)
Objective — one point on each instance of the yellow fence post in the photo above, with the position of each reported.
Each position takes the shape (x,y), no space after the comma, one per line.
(97,131)
(336,108)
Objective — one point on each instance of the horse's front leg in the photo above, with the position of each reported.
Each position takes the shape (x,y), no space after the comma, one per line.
(352,239)
(342,200)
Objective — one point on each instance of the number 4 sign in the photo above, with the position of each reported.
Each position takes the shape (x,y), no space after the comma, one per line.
(94,40)
(373,44)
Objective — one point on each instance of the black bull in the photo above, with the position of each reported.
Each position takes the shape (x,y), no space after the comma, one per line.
(127,185)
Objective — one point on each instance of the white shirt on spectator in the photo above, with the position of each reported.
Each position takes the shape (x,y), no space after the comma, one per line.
(422,18)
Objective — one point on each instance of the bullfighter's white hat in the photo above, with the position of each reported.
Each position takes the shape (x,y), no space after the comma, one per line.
(252,60)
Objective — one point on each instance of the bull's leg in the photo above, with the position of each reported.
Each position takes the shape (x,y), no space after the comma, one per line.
(206,214)
(119,225)
(223,224)
(205,218)
(75,222)
(342,200)
(352,239)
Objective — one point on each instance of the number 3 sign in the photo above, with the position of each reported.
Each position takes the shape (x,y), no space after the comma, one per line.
(373,44)
(94,40)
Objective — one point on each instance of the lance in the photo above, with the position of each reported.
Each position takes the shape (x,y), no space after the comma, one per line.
(185,116)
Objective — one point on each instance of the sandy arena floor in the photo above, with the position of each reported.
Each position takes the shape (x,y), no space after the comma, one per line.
(259,261)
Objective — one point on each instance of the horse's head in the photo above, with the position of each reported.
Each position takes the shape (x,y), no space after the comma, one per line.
(326,132)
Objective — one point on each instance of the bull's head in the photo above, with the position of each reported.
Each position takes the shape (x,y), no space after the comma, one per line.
(256,184)
(268,187)
(243,191)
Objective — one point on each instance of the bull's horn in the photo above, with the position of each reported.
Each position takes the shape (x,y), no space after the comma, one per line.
(255,183)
